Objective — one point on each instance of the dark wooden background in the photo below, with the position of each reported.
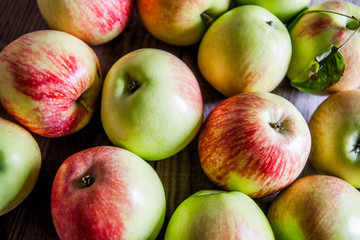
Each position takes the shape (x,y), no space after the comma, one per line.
(181,174)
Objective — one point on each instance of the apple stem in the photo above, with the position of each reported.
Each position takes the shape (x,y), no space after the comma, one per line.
(347,40)
(207,18)
(133,86)
(83,103)
(87,181)
(277,126)
(357,148)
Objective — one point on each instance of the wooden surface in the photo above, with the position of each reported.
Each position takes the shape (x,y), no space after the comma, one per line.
(181,174)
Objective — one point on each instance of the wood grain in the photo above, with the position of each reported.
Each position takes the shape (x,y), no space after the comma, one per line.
(181,174)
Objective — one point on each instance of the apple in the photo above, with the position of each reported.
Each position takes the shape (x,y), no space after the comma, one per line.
(213,214)
(326,48)
(107,192)
(50,82)
(95,21)
(285,10)
(20,163)
(180,22)
(255,143)
(334,128)
(247,49)
(316,207)
(151,104)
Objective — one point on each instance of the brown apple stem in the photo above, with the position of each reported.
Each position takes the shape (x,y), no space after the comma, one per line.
(277,126)
(357,148)
(133,86)
(87,181)
(84,104)
(207,18)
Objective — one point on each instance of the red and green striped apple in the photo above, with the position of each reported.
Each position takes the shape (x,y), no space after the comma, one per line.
(93,21)
(256,143)
(50,82)
(107,193)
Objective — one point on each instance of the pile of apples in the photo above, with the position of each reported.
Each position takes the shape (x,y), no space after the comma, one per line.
(253,144)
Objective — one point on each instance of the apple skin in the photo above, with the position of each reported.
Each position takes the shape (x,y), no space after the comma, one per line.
(247,49)
(50,82)
(94,21)
(316,207)
(255,143)
(179,22)
(314,33)
(334,128)
(285,10)
(20,163)
(162,114)
(123,198)
(213,214)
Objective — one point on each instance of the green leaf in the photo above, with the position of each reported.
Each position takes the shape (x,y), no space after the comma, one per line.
(323,72)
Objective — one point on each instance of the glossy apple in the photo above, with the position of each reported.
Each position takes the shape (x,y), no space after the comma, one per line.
(255,143)
(247,49)
(285,10)
(151,104)
(94,21)
(180,22)
(20,163)
(107,193)
(335,135)
(316,207)
(212,214)
(319,64)
(49,82)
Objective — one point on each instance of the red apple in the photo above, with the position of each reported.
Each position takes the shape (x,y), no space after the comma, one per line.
(256,143)
(50,82)
(316,207)
(107,193)
(94,21)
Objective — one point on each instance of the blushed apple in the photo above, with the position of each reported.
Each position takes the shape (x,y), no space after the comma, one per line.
(20,163)
(255,143)
(316,207)
(334,128)
(50,82)
(326,48)
(212,214)
(151,104)
(94,21)
(107,193)
(180,22)
(247,49)
(285,10)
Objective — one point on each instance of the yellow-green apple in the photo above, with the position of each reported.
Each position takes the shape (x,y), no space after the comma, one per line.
(255,143)
(180,22)
(50,82)
(213,214)
(20,163)
(151,104)
(107,192)
(316,207)
(285,10)
(94,21)
(247,49)
(326,48)
(334,128)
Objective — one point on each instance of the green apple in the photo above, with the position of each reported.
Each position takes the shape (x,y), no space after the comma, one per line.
(335,134)
(213,214)
(248,49)
(326,48)
(283,9)
(151,104)
(20,163)
(180,22)
(318,207)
